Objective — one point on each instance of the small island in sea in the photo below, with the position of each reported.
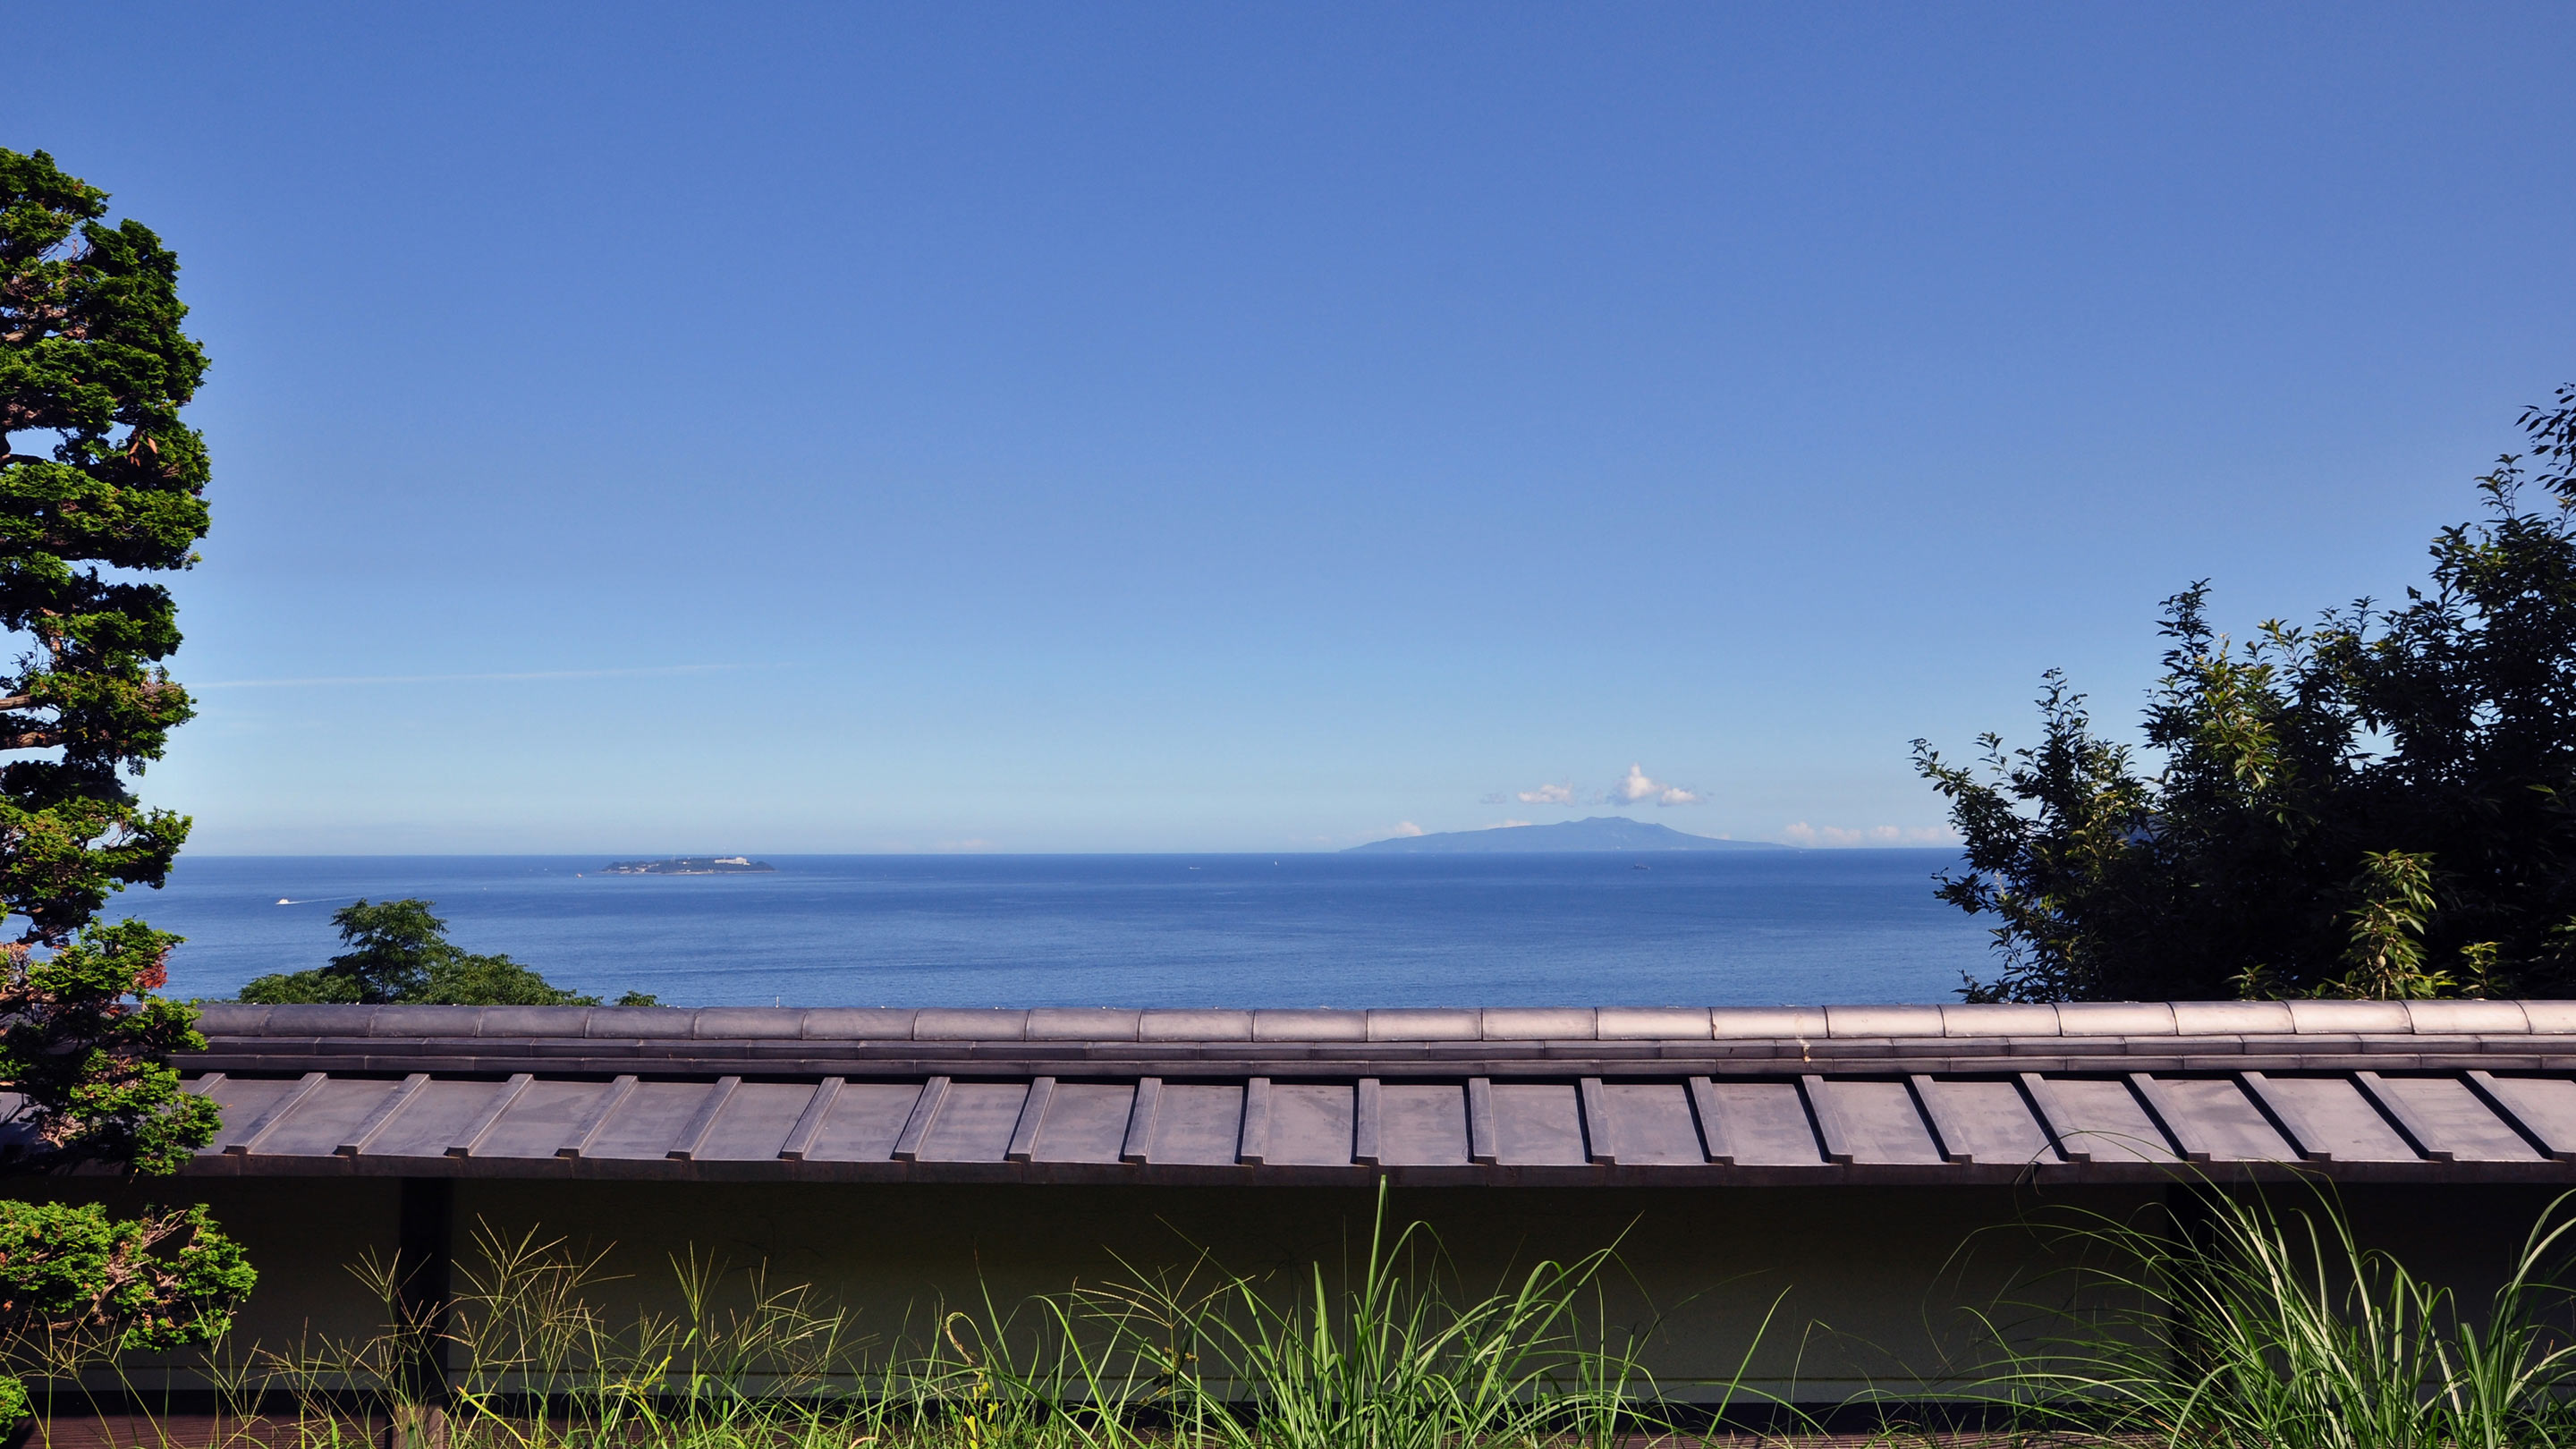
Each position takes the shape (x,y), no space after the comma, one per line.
(1601,832)
(688,865)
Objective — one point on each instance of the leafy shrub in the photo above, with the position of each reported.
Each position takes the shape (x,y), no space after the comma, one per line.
(399,954)
(2383,804)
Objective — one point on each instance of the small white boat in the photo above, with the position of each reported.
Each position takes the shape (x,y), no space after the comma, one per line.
(283,901)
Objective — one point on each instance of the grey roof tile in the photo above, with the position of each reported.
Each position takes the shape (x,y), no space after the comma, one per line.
(625,1023)
(1422,1124)
(866,1120)
(974,1122)
(1310,1124)
(1649,1124)
(1738,1023)
(513,1020)
(2483,1018)
(2223,1018)
(1883,1021)
(1194,1026)
(2455,1121)
(1539,1124)
(1796,1118)
(535,1126)
(232,1018)
(2318,1018)
(1317,1025)
(439,1113)
(430,1021)
(1425,1024)
(2015,1019)
(755,1122)
(2550,1016)
(2220,1119)
(1652,1023)
(1083,1023)
(2543,1109)
(1085,1122)
(1766,1124)
(1991,1120)
(749,1023)
(1196,1123)
(858,1023)
(1536,1023)
(2115,1018)
(2348,1126)
(2105,1122)
(950,1023)
(323,1120)
(1509,1094)
(318,1020)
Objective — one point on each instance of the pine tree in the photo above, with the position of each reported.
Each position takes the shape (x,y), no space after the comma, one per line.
(93,366)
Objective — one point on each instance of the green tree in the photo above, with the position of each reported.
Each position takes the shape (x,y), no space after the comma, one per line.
(94,366)
(77,1284)
(392,948)
(2383,804)
(399,954)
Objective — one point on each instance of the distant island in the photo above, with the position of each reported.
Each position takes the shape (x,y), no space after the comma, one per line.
(688,865)
(1601,832)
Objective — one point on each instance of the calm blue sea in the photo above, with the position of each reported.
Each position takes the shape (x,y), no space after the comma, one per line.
(1133,930)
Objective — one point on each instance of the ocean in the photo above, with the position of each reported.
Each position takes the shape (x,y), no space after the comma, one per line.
(1744,928)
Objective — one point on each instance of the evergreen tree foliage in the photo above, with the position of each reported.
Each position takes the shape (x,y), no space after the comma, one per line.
(399,954)
(93,373)
(2380,805)
(77,1284)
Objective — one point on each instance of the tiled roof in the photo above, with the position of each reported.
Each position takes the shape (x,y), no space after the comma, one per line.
(2266,1035)
(2432,1092)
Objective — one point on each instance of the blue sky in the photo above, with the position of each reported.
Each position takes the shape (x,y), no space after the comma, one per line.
(1246,427)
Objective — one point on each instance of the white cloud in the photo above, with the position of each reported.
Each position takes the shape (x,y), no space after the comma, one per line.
(962,847)
(1547,795)
(1503,825)
(1405,827)
(1639,788)
(1830,836)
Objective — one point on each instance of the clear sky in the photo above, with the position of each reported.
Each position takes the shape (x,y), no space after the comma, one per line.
(1216,427)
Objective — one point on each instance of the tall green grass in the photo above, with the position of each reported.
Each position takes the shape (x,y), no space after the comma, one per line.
(2244,1323)
(1392,1352)
(1398,1357)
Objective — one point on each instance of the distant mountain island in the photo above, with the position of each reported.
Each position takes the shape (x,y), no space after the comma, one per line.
(688,865)
(1601,832)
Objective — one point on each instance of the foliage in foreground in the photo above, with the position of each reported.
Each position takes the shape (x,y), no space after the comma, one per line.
(94,365)
(399,954)
(76,1283)
(1392,1361)
(2382,805)
(1397,1355)
(2252,1326)
(2236,1324)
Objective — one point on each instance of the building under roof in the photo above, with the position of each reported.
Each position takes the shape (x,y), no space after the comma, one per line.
(1873,1163)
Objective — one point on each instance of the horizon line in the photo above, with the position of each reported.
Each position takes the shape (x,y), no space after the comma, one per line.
(993,854)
